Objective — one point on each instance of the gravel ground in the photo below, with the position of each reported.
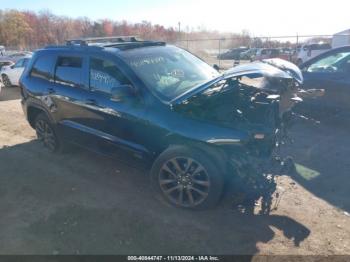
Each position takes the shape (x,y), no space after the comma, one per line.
(82,203)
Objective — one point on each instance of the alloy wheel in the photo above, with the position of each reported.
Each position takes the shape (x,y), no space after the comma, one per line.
(184,181)
(46,135)
(6,81)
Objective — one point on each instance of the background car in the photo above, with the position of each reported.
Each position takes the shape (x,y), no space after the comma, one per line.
(329,71)
(266,53)
(6,63)
(286,54)
(10,74)
(249,54)
(2,64)
(309,51)
(15,56)
(233,54)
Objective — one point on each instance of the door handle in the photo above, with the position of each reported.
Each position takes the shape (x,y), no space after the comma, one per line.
(51,90)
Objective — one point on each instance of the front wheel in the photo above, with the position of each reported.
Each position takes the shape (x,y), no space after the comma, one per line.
(187,178)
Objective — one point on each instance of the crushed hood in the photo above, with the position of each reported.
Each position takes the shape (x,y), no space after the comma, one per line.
(271,68)
(287,67)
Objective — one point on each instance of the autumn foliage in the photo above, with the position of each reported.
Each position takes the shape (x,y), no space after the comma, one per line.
(30,30)
(27,30)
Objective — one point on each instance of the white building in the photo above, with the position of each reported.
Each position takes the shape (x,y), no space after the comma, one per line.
(341,39)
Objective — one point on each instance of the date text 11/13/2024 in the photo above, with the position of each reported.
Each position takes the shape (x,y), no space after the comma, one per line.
(173,258)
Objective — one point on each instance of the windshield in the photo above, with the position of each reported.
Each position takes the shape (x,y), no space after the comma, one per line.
(168,71)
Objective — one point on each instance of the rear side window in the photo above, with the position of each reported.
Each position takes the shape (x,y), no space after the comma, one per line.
(104,75)
(69,71)
(43,67)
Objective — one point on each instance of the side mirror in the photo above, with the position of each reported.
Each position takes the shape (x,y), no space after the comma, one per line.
(13,66)
(216,67)
(121,92)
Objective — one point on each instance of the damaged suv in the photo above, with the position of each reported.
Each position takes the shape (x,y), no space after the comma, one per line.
(160,105)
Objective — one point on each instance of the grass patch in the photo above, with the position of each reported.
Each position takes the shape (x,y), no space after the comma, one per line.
(306,173)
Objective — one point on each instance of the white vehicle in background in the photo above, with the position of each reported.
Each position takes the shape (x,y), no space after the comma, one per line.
(11,74)
(309,51)
(4,63)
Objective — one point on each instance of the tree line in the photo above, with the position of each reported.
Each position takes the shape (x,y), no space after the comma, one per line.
(31,30)
(28,30)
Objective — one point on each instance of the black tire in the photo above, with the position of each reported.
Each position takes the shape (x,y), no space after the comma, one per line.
(47,134)
(6,81)
(196,183)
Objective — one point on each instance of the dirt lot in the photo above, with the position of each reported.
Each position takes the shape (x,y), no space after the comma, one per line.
(82,203)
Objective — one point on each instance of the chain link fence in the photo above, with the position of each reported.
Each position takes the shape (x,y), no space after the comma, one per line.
(227,52)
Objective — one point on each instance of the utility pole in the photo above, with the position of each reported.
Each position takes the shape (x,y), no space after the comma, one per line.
(297,39)
(179,30)
(296,46)
(219,52)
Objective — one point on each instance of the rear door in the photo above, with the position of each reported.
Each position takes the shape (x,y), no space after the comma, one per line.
(70,96)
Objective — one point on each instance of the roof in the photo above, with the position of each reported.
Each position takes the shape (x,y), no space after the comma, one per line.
(118,42)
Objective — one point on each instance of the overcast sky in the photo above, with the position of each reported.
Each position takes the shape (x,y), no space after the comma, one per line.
(261,18)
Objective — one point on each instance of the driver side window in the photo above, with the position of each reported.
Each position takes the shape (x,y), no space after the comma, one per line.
(105,75)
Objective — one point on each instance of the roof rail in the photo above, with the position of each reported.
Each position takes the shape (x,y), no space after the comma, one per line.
(71,46)
(132,45)
(110,39)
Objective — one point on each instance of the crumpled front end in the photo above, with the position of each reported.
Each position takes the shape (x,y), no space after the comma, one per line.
(253,98)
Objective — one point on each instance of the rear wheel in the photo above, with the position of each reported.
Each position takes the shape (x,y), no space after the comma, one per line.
(187,178)
(6,81)
(46,133)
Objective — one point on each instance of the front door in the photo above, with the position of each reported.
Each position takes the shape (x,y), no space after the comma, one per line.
(120,119)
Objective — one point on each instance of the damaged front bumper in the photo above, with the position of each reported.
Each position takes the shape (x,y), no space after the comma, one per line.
(247,165)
